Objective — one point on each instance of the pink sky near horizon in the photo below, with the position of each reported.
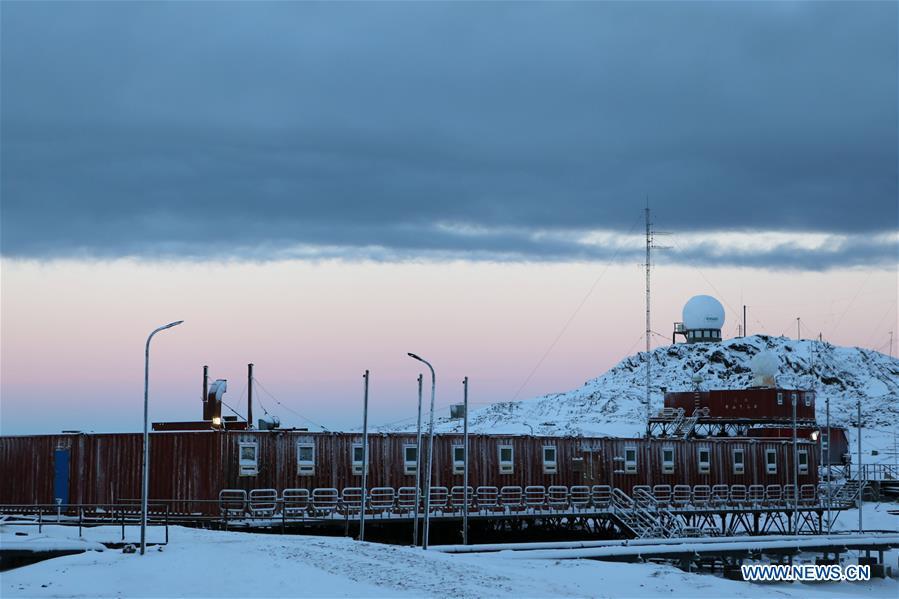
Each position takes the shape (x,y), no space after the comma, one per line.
(73,332)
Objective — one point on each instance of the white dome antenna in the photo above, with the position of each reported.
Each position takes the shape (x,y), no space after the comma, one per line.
(703,319)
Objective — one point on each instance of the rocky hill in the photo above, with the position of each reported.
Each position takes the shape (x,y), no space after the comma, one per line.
(613,404)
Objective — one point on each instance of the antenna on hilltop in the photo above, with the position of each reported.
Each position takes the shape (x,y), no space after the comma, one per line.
(650,245)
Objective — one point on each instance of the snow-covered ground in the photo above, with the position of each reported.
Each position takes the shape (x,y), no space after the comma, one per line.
(200,563)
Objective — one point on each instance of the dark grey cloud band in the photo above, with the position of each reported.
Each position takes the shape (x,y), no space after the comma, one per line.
(386,131)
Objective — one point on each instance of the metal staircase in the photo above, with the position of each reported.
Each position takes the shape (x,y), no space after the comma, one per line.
(644,517)
(685,426)
(849,492)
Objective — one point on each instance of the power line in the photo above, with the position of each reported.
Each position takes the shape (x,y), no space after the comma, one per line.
(572,317)
(849,305)
(289,409)
(239,415)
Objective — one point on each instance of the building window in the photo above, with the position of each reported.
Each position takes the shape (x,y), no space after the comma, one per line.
(771,461)
(780,398)
(305,459)
(630,460)
(550,465)
(667,460)
(410,459)
(705,460)
(739,463)
(505,459)
(458,459)
(358,458)
(808,399)
(249,459)
(803,461)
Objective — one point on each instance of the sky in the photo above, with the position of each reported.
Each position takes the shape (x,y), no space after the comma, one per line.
(319,188)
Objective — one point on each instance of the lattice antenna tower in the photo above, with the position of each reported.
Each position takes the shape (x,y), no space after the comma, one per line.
(650,246)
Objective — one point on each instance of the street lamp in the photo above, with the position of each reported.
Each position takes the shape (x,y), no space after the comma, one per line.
(417,469)
(430,451)
(145,474)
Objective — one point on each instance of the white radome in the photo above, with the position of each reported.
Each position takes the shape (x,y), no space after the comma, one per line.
(764,366)
(703,312)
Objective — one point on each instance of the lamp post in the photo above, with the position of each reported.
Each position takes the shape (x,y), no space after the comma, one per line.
(417,469)
(430,452)
(145,474)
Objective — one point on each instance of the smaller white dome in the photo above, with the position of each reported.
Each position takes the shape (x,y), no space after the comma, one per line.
(703,312)
(764,366)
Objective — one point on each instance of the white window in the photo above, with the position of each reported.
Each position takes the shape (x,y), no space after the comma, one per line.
(505,459)
(780,398)
(739,463)
(771,461)
(808,399)
(410,459)
(630,460)
(458,459)
(705,460)
(667,460)
(803,461)
(249,458)
(358,458)
(550,465)
(305,459)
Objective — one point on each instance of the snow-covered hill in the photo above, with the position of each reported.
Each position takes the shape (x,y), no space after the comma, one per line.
(613,404)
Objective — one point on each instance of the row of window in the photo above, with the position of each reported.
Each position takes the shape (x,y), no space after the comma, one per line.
(249,459)
(704,460)
(808,398)
(704,334)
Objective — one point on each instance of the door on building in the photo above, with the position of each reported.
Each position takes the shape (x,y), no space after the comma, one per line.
(61,476)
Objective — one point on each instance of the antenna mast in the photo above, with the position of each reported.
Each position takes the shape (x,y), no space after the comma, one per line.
(650,235)
(648,320)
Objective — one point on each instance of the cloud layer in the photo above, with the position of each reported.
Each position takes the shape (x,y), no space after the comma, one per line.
(477,131)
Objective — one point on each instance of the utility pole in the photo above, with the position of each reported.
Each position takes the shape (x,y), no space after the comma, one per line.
(798,334)
(745,334)
(891,344)
(824,441)
(794,518)
(829,488)
(364,457)
(861,488)
(465,477)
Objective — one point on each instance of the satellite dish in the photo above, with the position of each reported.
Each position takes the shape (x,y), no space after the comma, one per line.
(697,381)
